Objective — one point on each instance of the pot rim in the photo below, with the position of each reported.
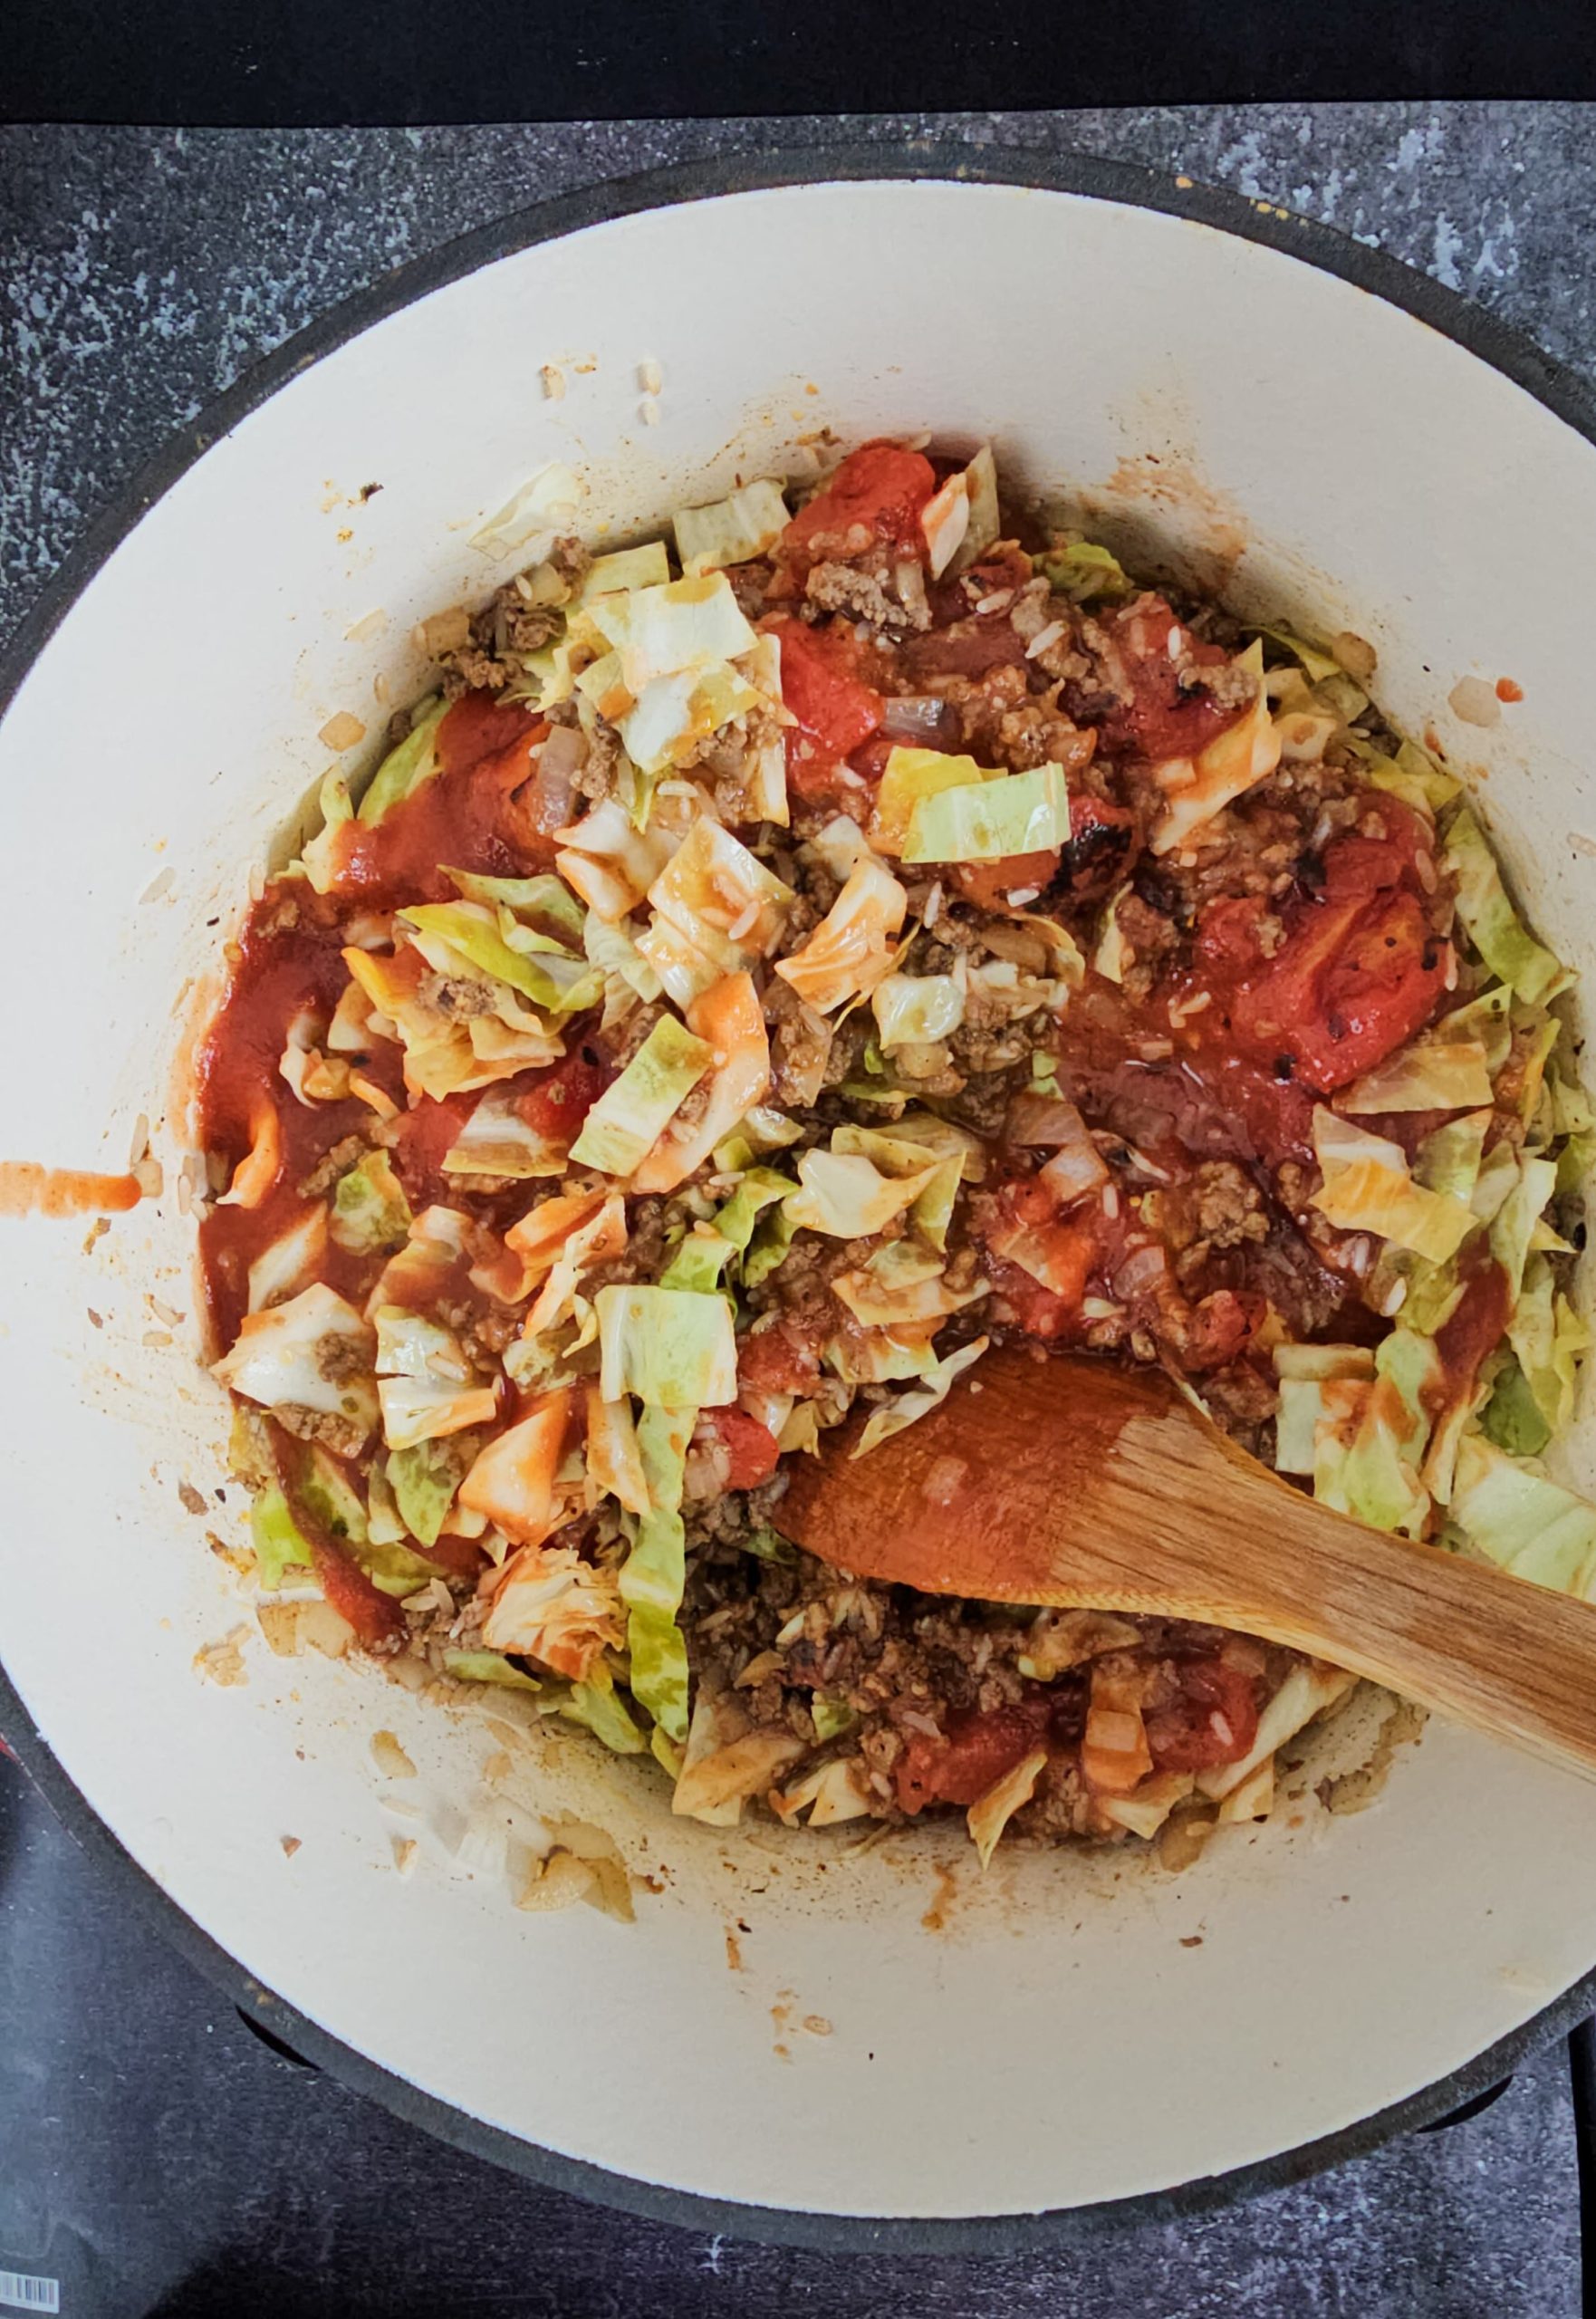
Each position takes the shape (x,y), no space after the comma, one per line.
(1552,383)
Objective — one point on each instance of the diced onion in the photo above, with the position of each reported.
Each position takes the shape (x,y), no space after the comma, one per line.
(921,720)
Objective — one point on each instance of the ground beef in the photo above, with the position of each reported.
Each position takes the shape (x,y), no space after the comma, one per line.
(878,597)
(505,628)
(346,1153)
(343,1435)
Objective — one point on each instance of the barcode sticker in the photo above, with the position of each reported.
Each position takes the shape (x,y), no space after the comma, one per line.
(22,2291)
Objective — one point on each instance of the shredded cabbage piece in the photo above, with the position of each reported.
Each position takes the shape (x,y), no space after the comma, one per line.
(489,1667)
(1196,788)
(991,1814)
(673,1348)
(1514,1515)
(653,1574)
(313,1352)
(634,1111)
(552,1606)
(851,949)
(1368,1187)
(369,1210)
(1431,1074)
(425,1383)
(990,820)
(1086,572)
(906,1409)
(1492,923)
(747,524)
(406,766)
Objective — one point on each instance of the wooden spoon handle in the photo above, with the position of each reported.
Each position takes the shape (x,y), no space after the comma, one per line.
(1510,1659)
(1065,1483)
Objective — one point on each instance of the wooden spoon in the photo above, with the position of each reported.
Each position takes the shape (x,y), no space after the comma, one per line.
(1072,1481)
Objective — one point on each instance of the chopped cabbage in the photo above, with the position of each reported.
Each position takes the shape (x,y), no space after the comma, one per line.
(1196,788)
(634,1111)
(533,520)
(1149,1803)
(653,1574)
(407,765)
(1085,572)
(729,1019)
(1516,1516)
(991,1814)
(369,1210)
(319,859)
(596,1705)
(498,1141)
(985,523)
(1315,662)
(672,1348)
(598,1239)
(767,1250)
(1380,1475)
(1513,1225)
(1432,1074)
(851,950)
(1449,1157)
(514,1478)
(991,821)
(425,1383)
(735,530)
(845,1195)
(916,1288)
(487,1667)
(611,864)
(682,970)
(905,1157)
(910,776)
(1367,1189)
(443,1056)
(916,1008)
(467,938)
(552,1606)
(1513,1418)
(315,1352)
(545,898)
(1549,1338)
(1307,1691)
(722,898)
(672,714)
(1492,924)
(961,519)
(835,1792)
(698,1261)
(614,1461)
(648,566)
(662,632)
(1413,776)
(613,948)
(907,1409)
(758,1188)
(276,1537)
(292,1259)
(424,1479)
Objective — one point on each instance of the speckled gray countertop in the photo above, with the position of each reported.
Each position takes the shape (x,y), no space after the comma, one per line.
(140,272)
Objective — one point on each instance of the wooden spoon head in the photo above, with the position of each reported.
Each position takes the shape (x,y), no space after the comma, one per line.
(1005,1493)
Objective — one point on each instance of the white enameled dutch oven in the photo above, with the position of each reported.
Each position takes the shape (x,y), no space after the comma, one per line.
(797,2037)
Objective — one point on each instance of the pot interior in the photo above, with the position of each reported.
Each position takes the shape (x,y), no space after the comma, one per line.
(797,2022)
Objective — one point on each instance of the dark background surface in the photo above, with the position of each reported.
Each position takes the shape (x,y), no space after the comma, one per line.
(152,2151)
(313,60)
